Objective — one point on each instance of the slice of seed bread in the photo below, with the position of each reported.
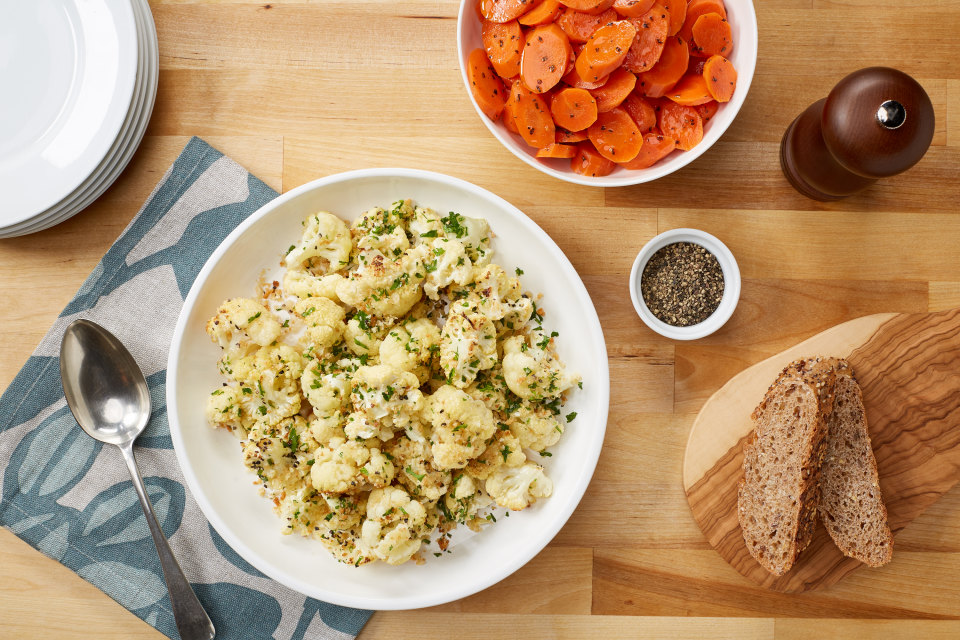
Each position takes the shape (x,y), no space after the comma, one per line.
(780,490)
(851,506)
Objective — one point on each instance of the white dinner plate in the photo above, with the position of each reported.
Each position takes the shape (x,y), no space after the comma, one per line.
(68,69)
(211,459)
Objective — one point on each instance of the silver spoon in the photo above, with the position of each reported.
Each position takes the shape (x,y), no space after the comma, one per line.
(109,397)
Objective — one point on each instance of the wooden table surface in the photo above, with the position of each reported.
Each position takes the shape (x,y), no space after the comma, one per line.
(297,89)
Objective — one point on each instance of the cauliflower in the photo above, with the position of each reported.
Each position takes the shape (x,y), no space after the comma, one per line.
(224,409)
(327,386)
(473,233)
(494,291)
(240,326)
(325,326)
(468,344)
(532,371)
(446,263)
(382,286)
(393,526)
(461,427)
(385,399)
(463,500)
(414,462)
(325,236)
(303,511)
(503,450)
(425,225)
(326,428)
(517,488)
(364,334)
(347,546)
(278,454)
(411,347)
(535,430)
(270,382)
(490,389)
(302,284)
(349,467)
(516,314)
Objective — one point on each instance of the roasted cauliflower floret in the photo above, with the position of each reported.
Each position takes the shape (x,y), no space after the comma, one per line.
(535,429)
(516,314)
(383,286)
(364,334)
(517,488)
(349,467)
(384,399)
(490,389)
(425,225)
(325,236)
(474,233)
(302,284)
(240,326)
(394,524)
(327,386)
(270,382)
(532,370)
(324,320)
(464,499)
(326,428)
(503,450)
(411,347)
(446,264)
(224,409)
(415,469)
(346,546)
(277,454)
(468,344)
(495,291)
(461,427)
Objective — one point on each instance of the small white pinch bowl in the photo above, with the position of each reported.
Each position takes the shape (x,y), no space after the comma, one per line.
(731,284)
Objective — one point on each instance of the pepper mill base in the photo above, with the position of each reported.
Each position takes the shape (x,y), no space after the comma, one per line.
(793,176)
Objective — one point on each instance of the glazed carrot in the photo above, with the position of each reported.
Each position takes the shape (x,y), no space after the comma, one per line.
(641,111)
(669,69)
(632,8)
(605,50)
(532,116)
(616,136)
(652,30)
(506,10)
(507,116)
(721,78)
(698,8)
(573,109)
(678,12)
(682,124)
(712,36)
(690,91)
(479,9)
(591,7)
(707,111)
(588,162)
(619,85)
(544,13)
(485,84)
(655,148)
(504,45)
(574,80)
(570,137)
(545,56)
(580,26)
(557,151)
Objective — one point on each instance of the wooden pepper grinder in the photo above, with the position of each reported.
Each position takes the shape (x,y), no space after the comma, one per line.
(876,123)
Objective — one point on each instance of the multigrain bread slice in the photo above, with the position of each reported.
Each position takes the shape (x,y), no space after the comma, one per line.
(851,506)
(780,490)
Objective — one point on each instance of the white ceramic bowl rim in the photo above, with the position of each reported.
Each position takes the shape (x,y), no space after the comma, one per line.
(526,549)
(731,284)
(625,178)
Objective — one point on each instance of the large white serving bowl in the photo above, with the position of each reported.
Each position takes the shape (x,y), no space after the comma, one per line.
(743,22)
(211,459)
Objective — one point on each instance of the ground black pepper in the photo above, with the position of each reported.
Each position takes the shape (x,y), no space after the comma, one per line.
(682,284)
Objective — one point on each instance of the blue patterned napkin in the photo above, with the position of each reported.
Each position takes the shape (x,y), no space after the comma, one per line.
(71,498)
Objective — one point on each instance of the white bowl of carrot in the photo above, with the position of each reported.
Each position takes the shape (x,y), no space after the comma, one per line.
(607,93)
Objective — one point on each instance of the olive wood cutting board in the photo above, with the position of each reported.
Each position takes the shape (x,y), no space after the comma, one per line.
(908,366)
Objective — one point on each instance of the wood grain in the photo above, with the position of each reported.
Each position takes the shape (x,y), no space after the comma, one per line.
(906,366)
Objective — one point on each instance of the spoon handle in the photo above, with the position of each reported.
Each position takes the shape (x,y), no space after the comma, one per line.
(193,623)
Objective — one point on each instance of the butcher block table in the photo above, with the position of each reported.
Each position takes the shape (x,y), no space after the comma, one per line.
(296,90)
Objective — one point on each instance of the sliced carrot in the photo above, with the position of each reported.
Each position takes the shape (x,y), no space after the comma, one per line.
(532,116)
(690,91)
(682,124)
(641,111)
(571,137)
(695,65)
(588,162)
(544,13)
(574,80)
(678,11)
(479,9)
(695,9)
(708,110)
(616,136)
(573,109)
(712,36)
(721,78)
(580,26)
(668,70)
(652,30)
(545,56)
(632,8)
(506,10)
(485,84)
(606,50)
(591,7)
(572,60)
(506,117)
(618,86)
(557,151)
(504,45)
(655,148)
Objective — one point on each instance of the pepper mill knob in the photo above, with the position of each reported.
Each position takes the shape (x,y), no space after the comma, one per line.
(876,123)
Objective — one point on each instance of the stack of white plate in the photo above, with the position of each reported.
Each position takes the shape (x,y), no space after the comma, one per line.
(78,79)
